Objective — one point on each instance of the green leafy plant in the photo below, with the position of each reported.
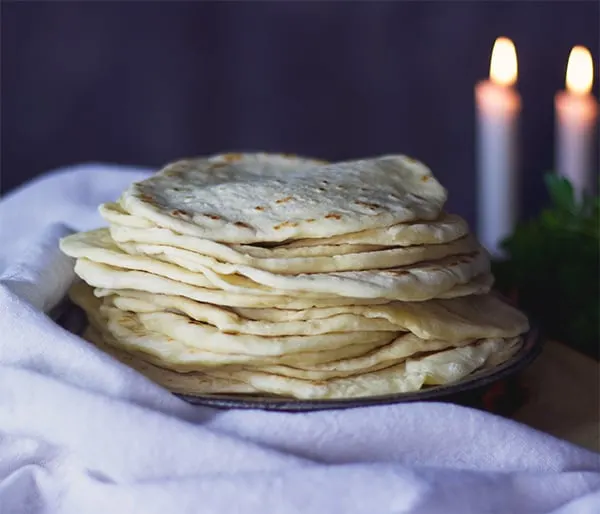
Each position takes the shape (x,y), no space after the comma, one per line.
(553,267)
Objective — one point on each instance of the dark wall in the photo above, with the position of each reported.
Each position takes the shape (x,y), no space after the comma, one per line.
(148,82)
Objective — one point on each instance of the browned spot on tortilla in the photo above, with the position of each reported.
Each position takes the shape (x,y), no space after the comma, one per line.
(146,198)
(179,212)
(232,157)
(324,182)
(241,224)
(219,165)
(285,224)
(212,216)
(194,322)
(229,332)
(372,206)
(311,220)
(425,178)
(333,216)
(321,189)
(283,200)
(259,208)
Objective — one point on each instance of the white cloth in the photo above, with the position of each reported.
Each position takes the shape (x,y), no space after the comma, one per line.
(83,434)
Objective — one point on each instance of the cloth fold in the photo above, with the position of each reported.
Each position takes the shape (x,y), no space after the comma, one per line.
(82,433)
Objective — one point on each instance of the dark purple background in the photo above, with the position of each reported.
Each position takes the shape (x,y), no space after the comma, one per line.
(148,82)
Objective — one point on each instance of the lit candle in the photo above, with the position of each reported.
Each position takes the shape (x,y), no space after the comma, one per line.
(498,105)
(576,114)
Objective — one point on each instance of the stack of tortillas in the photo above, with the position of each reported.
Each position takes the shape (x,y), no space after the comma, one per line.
(274,275)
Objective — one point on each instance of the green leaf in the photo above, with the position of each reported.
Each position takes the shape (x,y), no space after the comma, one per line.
(561,192)
(554,263)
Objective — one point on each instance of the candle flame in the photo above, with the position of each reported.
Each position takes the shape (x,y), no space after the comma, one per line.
(503,65)
(580,71)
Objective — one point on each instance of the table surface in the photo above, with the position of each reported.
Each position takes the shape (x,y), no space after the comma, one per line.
(563,395)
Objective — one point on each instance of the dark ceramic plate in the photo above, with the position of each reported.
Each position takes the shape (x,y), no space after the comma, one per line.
(469,391)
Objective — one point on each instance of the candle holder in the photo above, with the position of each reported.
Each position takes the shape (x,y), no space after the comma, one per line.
(553,267)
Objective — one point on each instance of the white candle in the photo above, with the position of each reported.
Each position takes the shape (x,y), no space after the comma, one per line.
(576,114)
(498,105)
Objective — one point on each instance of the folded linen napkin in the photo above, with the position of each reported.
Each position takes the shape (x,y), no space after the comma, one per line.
(81,433)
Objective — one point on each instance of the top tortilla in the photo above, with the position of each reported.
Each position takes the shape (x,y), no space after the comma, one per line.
(250,198)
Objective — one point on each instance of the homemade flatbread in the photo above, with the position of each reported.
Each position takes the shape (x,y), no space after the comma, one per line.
(370,258)
(448,227)
(468,317)
(97,244)
(414,282)
(405,377)
(190,268)
(431,281)
(128,334)
(182,383)
(411,375)
(275,275)
(108,278)
(126,331)
(249,198)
